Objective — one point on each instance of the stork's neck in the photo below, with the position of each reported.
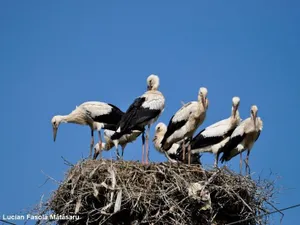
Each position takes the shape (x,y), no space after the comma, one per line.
(69,118)
(73,117)
(153,92)
(255,121)
(235,113)
(201,108)
(157,142)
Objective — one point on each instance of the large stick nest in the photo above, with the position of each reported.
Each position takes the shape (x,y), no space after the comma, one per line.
(126,192)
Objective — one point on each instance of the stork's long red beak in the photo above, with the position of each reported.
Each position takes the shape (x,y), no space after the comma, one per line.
(254,117)
(203,101)
(234,111)
(54,133)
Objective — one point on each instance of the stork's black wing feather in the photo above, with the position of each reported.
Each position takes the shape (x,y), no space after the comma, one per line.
(172,127)
(229,146)
(112,118)
(145,115)
(258,134)
(126,120)
(135,117)
(111,127)
(201,141)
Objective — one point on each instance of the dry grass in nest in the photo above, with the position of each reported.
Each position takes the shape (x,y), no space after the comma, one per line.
(127,192)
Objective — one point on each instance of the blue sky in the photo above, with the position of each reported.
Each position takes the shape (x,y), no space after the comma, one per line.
(57,54)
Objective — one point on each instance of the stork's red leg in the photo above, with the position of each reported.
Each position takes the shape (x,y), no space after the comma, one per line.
(147,144)
(146,149)
(123,147)
(189,152)
(143,146)
(100,143)
(216,160)
(183,151)
(241,162)
(247,163)
(92,143)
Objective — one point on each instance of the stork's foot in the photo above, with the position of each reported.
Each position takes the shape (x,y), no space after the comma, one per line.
(147,150)
(91,152)
(241,163)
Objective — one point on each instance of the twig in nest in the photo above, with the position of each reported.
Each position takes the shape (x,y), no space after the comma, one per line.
(66,162)
(116,192)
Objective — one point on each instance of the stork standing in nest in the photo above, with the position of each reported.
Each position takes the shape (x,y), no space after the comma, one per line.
(172,153)
(185,121)
(213,138)
(123,141)
(144,111)
(243,138)
(97,115)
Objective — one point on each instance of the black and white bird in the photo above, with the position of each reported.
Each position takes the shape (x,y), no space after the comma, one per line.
(144,111)
(243,138)
(123,141)
(173,152)
(185,121)
(97,115)
(212,138)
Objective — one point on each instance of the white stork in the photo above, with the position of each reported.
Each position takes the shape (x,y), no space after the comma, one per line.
(123,141)
(144,111)
(185,121)
(173,152)
(212,138)
(243,138)
(96,115)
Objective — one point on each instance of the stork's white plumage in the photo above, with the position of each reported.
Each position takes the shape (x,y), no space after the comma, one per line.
(171,153)
(212,138)
(144,111)
(243,138)
(123,141)
(96,115)
(186,120)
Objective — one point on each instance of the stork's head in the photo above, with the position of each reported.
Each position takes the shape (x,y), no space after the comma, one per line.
(97,149)
(160,130)
(202,96)
(254,110)
(56,121)
(235,105)
(152,82)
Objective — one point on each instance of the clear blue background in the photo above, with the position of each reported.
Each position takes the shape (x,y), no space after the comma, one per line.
(55,55)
